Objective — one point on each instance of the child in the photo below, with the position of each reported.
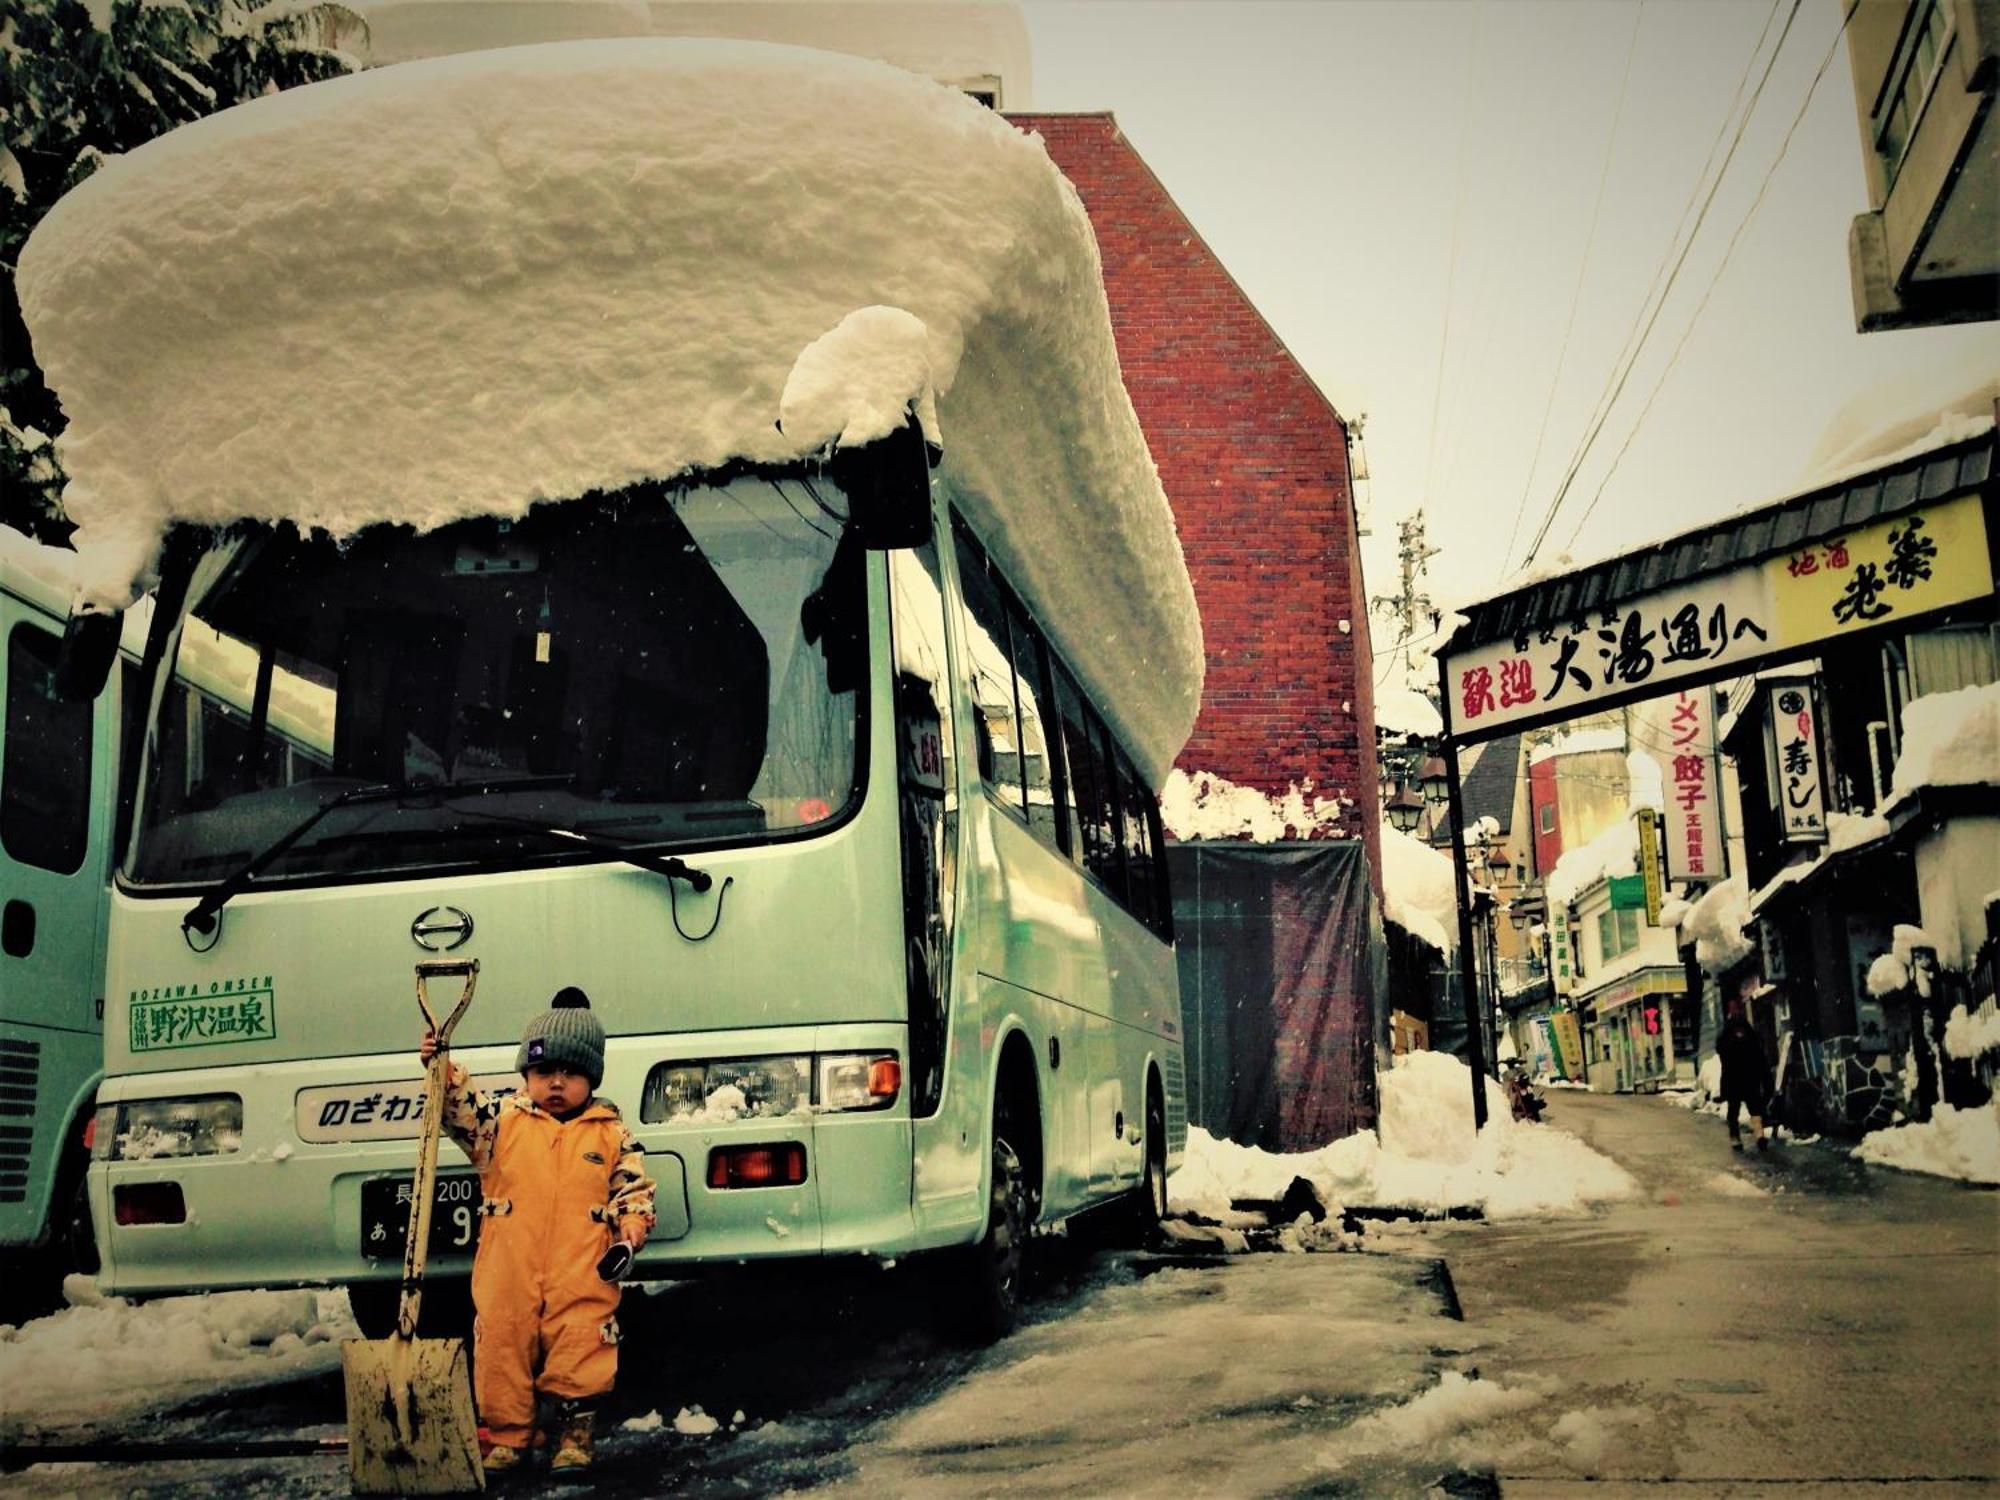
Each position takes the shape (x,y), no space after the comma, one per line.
(563,1181)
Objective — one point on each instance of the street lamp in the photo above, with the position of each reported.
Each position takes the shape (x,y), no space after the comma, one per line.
(1431,779)
(1405,809)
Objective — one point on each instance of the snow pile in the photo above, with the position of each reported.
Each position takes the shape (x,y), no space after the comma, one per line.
(1961,1143)
(1419,891)
(1971,1035)
(463,286)
(1716,923)
(103,1356)
(1949,739)
(1423,1425)
(1207,806)
(860,381)
(1888,975)
(1428,1157)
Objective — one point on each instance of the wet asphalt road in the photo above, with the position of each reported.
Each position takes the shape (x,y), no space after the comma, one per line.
(1794,1323)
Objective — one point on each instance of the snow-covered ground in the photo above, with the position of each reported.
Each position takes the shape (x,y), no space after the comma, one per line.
(1961,1143)
(1428,1157)
(104,1358)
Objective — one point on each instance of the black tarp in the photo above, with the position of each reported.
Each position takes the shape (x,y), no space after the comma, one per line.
(1281,966)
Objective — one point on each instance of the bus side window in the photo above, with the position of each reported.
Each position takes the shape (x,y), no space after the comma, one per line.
(1110,865)
(1140,883)
(1038,754)
(990,677)
(45,777)
(1089,805)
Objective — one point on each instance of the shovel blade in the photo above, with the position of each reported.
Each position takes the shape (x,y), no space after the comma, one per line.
(410,1427)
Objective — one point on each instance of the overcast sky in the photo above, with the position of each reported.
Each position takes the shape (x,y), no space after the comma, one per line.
(1396,184)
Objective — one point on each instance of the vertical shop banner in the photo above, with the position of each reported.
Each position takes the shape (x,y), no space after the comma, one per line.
(1792,758)
(1562,949)
(1679,733)
(1649,863)
(1566,1042)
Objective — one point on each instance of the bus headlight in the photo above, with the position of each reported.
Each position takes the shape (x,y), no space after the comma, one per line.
(743,1088)
(859,1080)
(150,1129)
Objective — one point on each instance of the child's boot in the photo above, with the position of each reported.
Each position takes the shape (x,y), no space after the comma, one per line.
(501,1459)
(573,1440)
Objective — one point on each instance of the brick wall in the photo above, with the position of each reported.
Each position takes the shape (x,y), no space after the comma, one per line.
(1254,459)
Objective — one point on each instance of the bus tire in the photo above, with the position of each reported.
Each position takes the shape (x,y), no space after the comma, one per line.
(1152,1196)
(32,1284)
(985,1300)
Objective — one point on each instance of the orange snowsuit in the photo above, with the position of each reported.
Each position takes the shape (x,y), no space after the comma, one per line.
(546,1323)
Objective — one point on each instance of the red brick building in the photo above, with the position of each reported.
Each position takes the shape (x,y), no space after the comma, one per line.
(1254,459)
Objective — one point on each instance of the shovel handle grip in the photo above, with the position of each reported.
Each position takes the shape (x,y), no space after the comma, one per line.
(445,968)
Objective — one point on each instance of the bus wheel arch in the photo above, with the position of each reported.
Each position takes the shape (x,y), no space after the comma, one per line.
(984,1290)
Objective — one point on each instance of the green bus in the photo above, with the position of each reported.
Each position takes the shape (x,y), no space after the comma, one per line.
(813,770)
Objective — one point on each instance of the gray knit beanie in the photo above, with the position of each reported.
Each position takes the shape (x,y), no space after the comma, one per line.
(565,1034)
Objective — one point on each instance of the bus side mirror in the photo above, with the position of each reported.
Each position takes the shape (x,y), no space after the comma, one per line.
(90,646)
(888,488)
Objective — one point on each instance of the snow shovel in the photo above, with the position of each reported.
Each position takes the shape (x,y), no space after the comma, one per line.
(410,1427)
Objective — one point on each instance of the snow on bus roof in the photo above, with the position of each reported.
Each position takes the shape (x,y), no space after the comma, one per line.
(462,286)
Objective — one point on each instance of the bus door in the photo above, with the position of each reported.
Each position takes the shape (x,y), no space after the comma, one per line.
(55,820)
(53,827)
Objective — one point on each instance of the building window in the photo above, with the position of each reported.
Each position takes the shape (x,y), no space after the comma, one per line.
(1548,817)
(1915,71)
(1617,933)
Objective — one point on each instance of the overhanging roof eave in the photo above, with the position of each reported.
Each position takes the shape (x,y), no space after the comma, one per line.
(1921,479)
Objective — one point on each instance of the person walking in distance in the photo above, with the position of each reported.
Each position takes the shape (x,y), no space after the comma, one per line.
(1746,1075)
(564,1188)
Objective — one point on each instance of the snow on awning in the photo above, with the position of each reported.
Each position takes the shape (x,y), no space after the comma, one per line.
(463,286)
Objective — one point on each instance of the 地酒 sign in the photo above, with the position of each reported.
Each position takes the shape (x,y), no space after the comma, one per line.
(1924,559)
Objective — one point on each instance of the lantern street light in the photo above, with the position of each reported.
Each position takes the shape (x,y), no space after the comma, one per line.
(1405,809)
(1431,779)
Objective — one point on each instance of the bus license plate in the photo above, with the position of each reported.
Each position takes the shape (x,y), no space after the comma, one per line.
(385,1215)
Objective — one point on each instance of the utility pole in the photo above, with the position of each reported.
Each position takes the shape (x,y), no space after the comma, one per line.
(1410,606)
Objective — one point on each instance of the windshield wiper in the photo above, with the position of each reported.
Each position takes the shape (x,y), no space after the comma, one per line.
(639,854)
(207,912)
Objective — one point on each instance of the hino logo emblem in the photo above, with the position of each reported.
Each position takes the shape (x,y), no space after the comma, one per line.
(441,929)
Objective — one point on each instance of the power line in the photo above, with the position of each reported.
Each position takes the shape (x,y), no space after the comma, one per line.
(1629,357)
(1576,294)
(1728,251)
(1457,219)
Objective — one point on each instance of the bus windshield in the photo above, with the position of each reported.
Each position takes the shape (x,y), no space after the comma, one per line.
(669,665)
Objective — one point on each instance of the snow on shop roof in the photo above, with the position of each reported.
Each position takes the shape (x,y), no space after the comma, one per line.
(459,287)
(1419,893)
(1716,924)
(1949,739)
(1579,742)
(1404,710)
